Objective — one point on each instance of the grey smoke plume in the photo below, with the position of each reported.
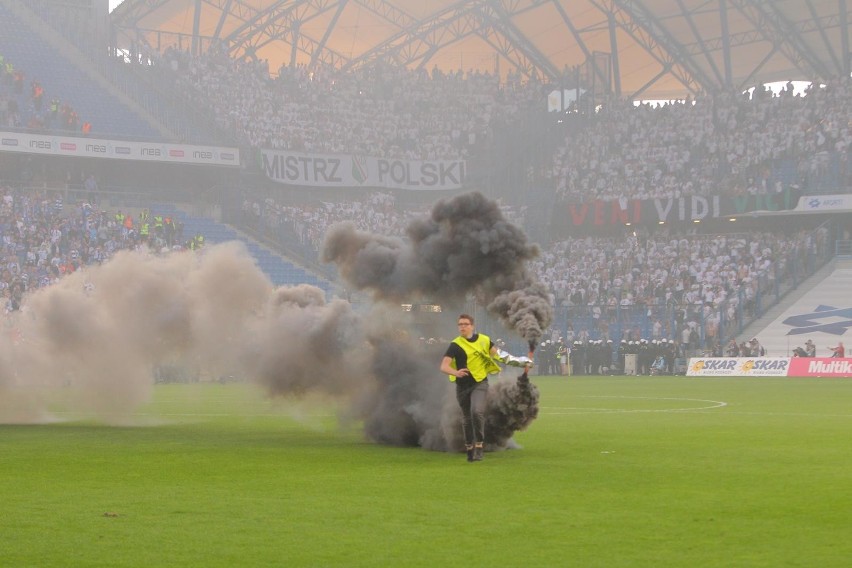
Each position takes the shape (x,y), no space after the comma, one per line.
(91,342)
(101,331)
(465,246)
(94,339)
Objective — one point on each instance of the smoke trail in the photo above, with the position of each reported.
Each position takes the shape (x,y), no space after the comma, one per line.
(406,407)
(303,344)
(513,405)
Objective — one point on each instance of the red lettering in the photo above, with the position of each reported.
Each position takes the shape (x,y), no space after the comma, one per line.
(578,218)
(619,215)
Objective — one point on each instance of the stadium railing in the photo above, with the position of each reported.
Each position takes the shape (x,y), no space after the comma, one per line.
(843,248)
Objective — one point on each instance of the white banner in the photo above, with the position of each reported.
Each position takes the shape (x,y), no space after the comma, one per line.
(117,149)
(343,170)
(824,203)
(738,367)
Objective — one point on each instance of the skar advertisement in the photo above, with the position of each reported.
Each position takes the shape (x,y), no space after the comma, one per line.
(769,367)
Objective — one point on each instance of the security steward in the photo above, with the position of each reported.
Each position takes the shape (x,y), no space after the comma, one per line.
(468,361)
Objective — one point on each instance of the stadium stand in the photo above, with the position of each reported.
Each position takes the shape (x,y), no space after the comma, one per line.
(23,48)
(149,86)
(726,143)
(279,270)
(625,287)
(44,238)
(383,111)
(657,287)
(818,313)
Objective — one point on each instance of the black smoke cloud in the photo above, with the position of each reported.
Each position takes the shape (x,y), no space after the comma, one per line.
(464,247)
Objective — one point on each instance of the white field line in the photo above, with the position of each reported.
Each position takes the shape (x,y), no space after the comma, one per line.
(713,404)
(803,414)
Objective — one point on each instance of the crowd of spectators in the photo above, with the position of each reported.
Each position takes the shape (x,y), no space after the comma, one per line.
(376,212)
(668,268)
(669,285)
(383,110)
(676,282)
(726,143)
(722,143)
(42,239)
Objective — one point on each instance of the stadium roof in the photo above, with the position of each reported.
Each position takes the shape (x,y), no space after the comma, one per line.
(663,48)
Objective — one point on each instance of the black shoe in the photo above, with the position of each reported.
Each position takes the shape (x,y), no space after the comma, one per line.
(478,454)
(470,455)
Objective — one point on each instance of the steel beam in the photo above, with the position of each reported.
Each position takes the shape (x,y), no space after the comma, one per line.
(505,47)
(687,14)
(420,41)
(226,10)
(788,30)
(273,10)
(388,12)
(282,26)
(420,32)
(321,45)
(726,43)
(844,36)
(638,29)
(746,83)
(837,65)
(663,72)
(780,34)
(237,8)
(580,43)
(196,25)
(129,14)
(277,22)
(613,49)
(497,12)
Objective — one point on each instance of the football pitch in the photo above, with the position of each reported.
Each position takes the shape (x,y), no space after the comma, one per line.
(616,471)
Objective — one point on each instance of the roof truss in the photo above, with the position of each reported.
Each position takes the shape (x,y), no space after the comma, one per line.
(698,58)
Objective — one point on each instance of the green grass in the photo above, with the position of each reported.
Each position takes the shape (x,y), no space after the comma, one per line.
(658,471)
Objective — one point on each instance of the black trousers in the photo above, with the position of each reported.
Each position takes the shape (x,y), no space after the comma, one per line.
(471,397)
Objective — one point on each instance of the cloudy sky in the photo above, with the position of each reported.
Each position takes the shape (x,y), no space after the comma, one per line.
(113,4)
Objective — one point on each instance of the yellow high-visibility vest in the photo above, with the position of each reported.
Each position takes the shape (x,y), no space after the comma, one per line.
(479,361)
